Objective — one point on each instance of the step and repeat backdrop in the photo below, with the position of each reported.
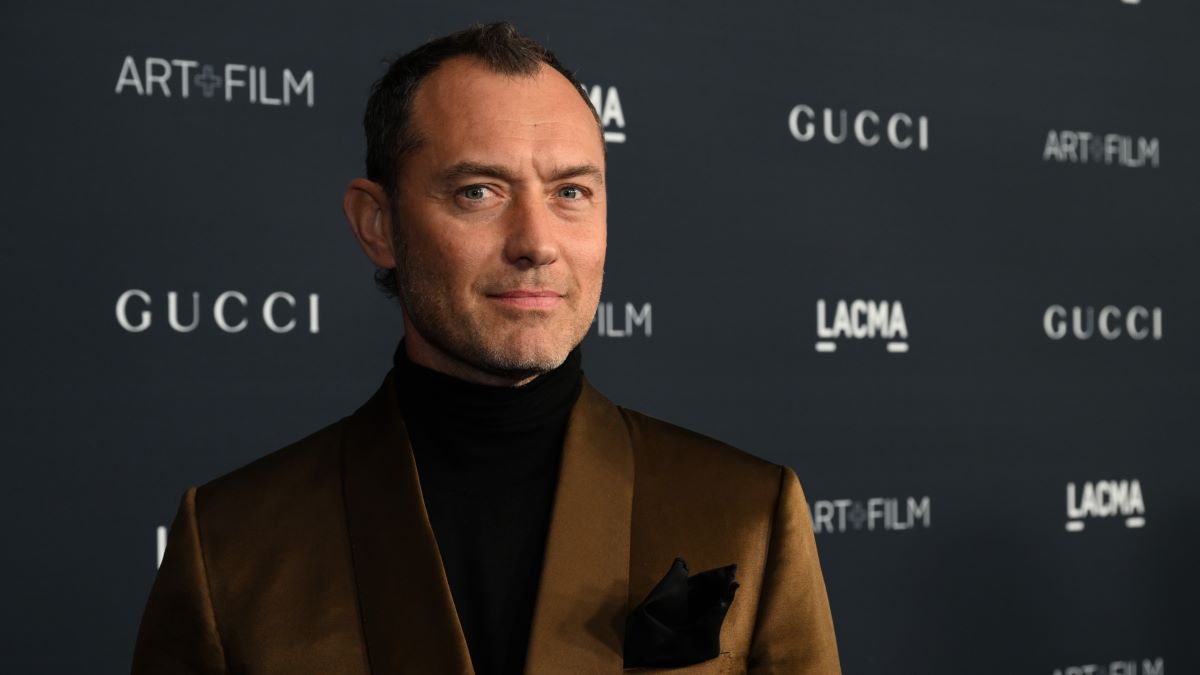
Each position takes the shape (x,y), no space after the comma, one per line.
(941,258)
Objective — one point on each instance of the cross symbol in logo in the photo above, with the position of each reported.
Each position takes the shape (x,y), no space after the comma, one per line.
(858,515)
(208,81)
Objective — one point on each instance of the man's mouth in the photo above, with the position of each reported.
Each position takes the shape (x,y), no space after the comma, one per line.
(528,298)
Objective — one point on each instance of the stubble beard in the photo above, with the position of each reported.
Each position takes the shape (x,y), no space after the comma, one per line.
(465,339)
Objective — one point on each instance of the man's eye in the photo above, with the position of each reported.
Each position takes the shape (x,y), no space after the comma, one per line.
(475,192)
(570,192)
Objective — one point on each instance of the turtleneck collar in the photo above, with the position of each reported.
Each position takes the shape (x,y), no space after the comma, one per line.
(439,399)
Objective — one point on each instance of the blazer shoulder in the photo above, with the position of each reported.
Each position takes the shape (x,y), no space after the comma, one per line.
(283,479)
(271,538)
(657,441)
(706,501)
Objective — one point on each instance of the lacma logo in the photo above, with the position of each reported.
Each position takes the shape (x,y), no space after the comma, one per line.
(1105,499)
(1084,147)
(1146,667)
(636,321)
(607,103)
(875,513)
(868,128)
(862,320)
(184,78)
(230,312)
(1110,323)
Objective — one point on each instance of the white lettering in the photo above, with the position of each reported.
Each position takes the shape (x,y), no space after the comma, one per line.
(1051,149)
(636,318)
(822,330)
(794,119)
(1077,322)
(858,309)
(919,510)
(1106,331)
(304,86)
(1131,323)
(230,82)
(841,321)
(173,312)
(822,517)
(859,128)
(185,68)
(268,312)
(612,109)
(829,135)
(897,327)
(122,317)
(1055,329)
(160,78)
(875,511)
(219,312)
(129,77)
(263,97)
(1149,148)
(894,135)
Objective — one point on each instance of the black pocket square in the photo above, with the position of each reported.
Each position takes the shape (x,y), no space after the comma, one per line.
(679,622)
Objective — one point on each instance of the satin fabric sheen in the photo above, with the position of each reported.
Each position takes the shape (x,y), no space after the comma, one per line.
(319,558)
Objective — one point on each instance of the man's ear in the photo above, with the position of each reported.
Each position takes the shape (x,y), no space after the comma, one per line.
(369,215)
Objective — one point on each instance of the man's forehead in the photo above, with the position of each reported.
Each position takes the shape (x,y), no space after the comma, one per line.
(463,101)
(460,76)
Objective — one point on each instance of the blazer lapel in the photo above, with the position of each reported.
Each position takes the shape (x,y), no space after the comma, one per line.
(583,596)
(408,616)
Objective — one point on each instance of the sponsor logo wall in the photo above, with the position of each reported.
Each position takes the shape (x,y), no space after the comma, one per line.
(155,76)
(230,312)
(871,514)
(1105,499)
(900,131)
(862,320)
(934,261)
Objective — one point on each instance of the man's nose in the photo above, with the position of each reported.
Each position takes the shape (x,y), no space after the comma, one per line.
(531,234)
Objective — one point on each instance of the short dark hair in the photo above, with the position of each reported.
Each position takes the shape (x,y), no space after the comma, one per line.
(388,118)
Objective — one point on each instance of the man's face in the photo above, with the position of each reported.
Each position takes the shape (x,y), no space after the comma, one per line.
(500,219)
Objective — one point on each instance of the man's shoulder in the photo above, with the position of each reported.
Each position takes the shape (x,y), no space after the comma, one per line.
(663,446)
(303,470)
(698,498)
(277,518)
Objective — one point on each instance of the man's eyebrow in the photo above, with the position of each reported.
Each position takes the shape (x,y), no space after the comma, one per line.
(467,169)
(590,170)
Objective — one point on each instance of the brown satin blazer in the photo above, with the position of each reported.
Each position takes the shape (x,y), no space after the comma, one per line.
(319,558)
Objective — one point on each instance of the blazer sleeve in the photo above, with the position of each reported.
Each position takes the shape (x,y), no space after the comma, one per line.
(794,630)
(179,632)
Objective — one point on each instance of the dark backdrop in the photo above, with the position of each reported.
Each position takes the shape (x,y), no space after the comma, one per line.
(1043,155)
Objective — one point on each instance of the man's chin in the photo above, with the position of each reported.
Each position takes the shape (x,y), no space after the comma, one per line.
(521,364)
(525,355)
(506,352)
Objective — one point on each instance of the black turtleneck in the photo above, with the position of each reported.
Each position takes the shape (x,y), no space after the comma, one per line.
(488,461)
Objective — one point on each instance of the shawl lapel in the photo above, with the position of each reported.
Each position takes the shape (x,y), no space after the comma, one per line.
(408,618)
(583,596)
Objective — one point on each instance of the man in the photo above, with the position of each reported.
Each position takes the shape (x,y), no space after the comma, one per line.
(487,510)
